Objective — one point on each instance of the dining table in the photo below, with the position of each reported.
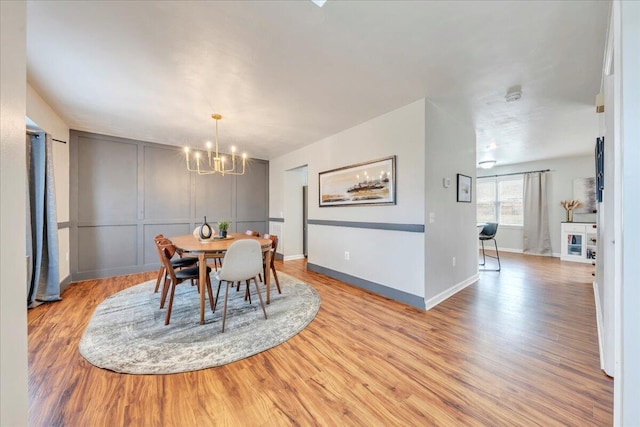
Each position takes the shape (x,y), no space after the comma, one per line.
(216,247)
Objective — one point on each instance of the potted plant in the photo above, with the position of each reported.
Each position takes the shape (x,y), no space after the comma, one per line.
(223,226)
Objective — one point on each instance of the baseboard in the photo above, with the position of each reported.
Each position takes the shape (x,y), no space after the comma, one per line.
(599,322)
(492,249)
(432,302)
(292,257)
(377,288)
(515,251)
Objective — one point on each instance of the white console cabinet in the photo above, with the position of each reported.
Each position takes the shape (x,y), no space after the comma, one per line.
(578,241)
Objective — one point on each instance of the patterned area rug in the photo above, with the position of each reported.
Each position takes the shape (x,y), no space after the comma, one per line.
(127,333)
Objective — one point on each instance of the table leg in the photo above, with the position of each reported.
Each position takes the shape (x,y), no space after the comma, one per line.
(202,284)
(267,275)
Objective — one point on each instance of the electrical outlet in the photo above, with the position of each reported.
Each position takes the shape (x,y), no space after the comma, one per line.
(453,261)
(346,256)
(432,217)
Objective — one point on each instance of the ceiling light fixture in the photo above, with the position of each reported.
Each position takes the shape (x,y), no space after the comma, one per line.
(217,162)
(513,94)
(487,164)
(319,3)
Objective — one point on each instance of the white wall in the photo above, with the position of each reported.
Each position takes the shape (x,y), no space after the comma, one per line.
(13,272)
(450,150)
(47,119)
(390,258)
(562,173)
(627,70)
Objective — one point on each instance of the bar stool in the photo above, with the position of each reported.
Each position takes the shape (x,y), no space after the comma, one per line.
(489,233)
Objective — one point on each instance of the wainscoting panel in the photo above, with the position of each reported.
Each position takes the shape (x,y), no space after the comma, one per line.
(249,202)
(107,180)
(106,247)
(124,192)
(165,175)
(214,196)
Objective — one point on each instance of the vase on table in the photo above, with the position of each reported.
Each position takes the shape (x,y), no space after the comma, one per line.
(205,230)
(570,215)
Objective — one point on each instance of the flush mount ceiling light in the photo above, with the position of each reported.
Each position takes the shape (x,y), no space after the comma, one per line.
(487,164)
(513,94)
(319,3)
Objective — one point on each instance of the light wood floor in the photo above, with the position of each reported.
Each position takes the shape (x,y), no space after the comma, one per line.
(517,348)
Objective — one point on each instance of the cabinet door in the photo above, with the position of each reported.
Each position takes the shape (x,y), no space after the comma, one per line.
(575,244)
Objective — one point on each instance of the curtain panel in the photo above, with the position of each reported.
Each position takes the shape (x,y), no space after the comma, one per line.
(42,225)
(536,239)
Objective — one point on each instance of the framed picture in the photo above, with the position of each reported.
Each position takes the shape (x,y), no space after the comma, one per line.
(464,188)
(368,183)
(584,189)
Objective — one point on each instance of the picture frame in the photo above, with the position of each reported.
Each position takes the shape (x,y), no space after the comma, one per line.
(464,188)
(368,183)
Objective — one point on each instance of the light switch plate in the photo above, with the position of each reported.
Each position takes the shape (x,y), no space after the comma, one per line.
(446,182)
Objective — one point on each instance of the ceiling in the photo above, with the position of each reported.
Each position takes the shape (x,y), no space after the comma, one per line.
(288,73)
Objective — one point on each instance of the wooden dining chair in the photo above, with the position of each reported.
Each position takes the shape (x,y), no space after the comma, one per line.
(253,234)
(175,277)
(272,267)
(242,262)
(179,262)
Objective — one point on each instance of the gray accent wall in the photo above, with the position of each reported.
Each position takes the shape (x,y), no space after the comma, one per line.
(125,192)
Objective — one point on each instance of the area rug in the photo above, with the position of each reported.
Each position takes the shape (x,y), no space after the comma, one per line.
(127,333)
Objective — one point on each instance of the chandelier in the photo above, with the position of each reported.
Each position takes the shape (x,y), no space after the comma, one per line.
(215,163)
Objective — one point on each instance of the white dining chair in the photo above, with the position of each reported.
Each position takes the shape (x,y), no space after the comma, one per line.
(242,262)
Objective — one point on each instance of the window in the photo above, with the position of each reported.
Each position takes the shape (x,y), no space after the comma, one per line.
(499,199)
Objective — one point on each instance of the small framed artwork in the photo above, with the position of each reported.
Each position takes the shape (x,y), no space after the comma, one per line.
(464,188)
(367,183)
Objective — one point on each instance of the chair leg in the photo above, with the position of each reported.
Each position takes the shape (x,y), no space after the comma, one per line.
(224,310)
(260,297)
(247,293)
(275,276)
(173,290)
(161,273)
(484,257)
(165,291)
(210,291)
(215,302)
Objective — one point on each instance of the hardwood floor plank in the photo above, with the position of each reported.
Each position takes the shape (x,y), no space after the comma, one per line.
(518,347)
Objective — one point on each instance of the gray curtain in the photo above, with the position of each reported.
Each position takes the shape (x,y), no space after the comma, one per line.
(536,238)
(42,225)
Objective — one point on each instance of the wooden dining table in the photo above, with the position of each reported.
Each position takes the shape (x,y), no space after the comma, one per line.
(188,244)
